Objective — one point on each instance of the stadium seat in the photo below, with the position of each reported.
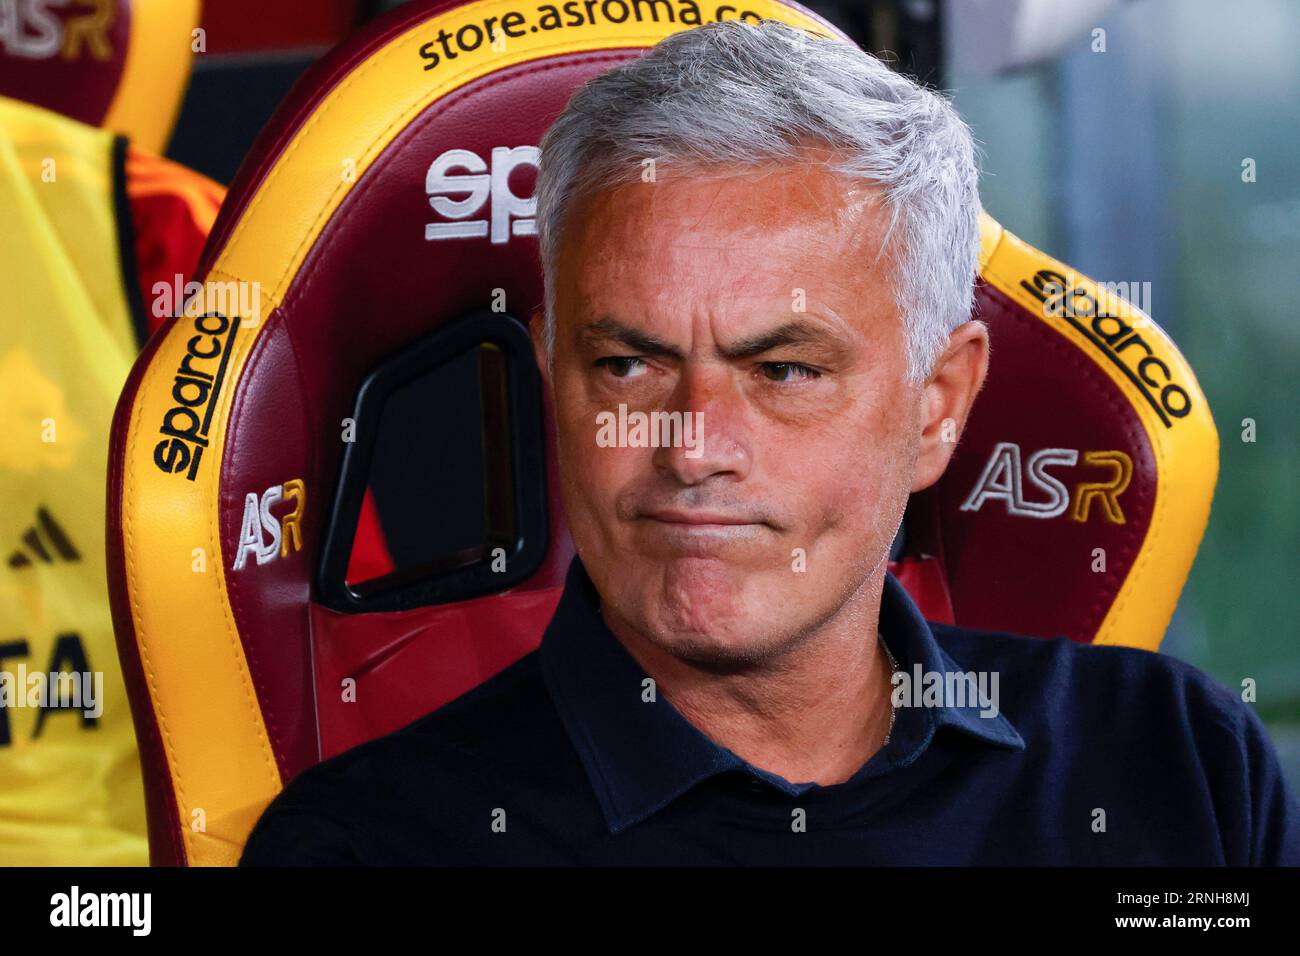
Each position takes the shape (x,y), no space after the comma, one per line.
(122,65)
(382,228)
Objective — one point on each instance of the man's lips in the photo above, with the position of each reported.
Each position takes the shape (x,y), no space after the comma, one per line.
(697,518)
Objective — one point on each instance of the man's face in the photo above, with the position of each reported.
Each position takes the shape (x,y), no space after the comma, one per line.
(762,301)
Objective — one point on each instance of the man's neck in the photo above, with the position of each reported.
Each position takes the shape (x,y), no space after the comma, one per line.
(817,712)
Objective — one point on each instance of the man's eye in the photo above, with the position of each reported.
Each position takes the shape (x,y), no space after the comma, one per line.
(622,366)
(788,372)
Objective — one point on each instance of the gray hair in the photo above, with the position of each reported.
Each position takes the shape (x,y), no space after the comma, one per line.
(740,92)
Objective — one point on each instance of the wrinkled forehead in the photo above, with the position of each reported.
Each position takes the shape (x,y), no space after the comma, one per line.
(732,234)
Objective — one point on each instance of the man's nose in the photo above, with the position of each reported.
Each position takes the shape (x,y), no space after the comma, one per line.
(713,440)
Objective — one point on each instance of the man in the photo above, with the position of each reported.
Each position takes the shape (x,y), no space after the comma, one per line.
(774,238)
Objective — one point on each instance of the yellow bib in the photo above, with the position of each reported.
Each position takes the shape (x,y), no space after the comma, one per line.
(70,786)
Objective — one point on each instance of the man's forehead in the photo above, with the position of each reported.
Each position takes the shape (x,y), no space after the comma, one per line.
(737,201)
(743,234)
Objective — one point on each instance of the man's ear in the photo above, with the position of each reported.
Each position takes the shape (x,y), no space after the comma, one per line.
(947,398)
(537,332)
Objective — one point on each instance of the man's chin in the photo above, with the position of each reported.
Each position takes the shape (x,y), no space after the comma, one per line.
(713,628)
(718,652)
(709,611)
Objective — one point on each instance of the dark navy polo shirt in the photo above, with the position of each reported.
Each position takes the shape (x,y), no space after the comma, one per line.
(1096,756)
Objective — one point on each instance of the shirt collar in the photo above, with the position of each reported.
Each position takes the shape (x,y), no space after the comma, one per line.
(640,753)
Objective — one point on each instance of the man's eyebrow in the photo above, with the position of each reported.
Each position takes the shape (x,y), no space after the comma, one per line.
(643,343)
(790,333)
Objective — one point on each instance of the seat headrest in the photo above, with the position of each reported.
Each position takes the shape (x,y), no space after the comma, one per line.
(383,224)
(119,64)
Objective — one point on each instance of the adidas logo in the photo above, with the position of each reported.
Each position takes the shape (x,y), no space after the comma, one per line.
(45,541)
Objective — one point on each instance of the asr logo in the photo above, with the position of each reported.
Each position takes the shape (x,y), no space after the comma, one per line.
(264,536)
(1004,480)
(40,29)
